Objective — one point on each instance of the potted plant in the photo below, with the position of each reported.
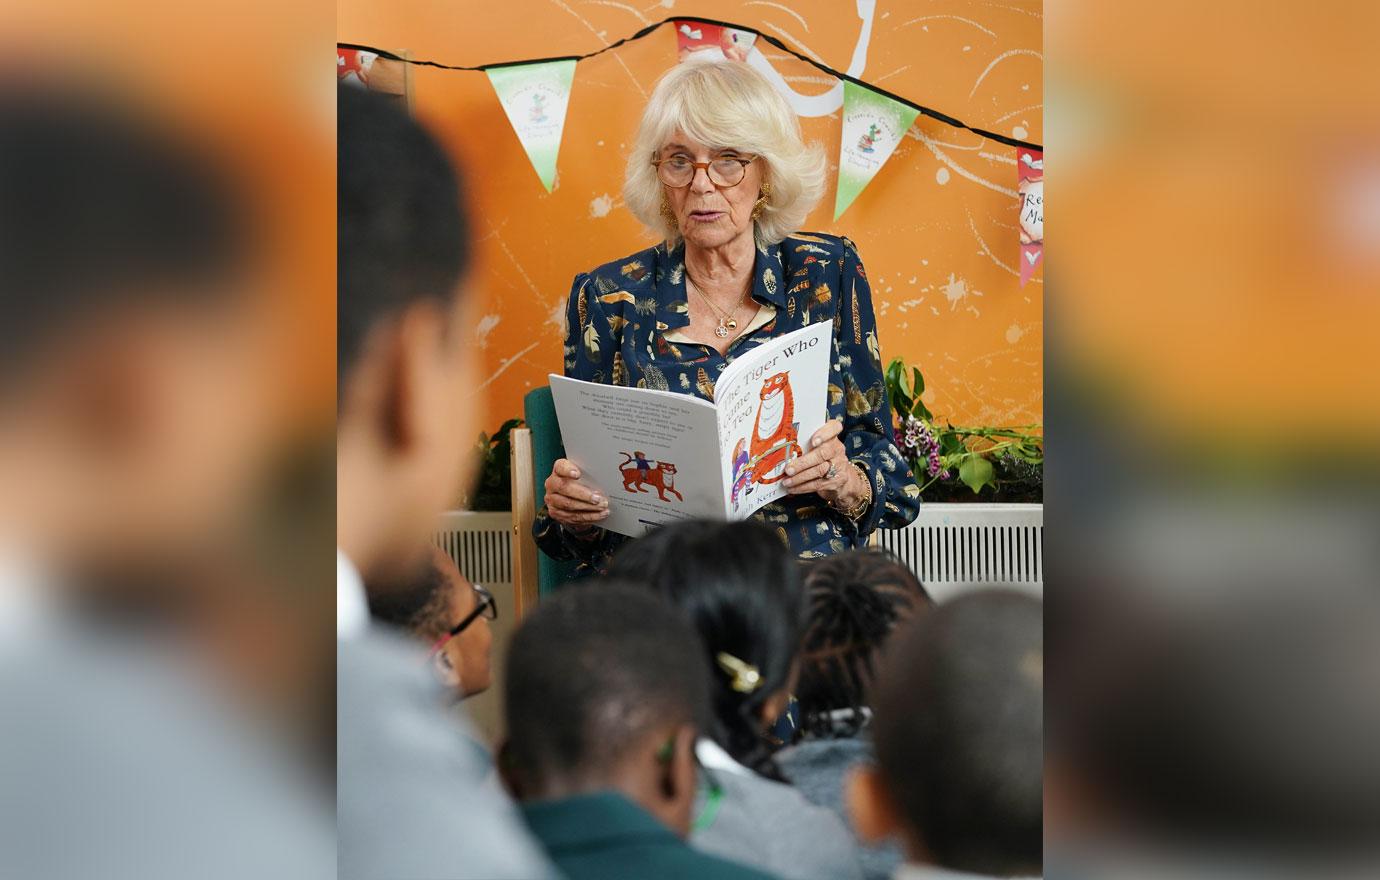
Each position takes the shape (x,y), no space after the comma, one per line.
(493,489)
(961,463)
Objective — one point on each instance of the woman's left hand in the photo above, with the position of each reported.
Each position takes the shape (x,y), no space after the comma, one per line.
(825,470)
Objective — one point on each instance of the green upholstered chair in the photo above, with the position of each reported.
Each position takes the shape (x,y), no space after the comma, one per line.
(535,449)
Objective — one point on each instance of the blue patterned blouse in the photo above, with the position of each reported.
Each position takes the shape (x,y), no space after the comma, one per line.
(617,318)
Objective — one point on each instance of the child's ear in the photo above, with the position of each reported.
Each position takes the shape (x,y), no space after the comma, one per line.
(445,669)
(408,380)
(870,806)
(678,778)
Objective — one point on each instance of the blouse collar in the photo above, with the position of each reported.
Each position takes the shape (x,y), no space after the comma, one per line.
(673,309)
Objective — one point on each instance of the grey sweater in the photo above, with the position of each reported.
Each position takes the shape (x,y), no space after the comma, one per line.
(773,827)
(818,767)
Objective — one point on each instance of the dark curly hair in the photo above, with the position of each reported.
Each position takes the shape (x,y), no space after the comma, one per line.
(855,600)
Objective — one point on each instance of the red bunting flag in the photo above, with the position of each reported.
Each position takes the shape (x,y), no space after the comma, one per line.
(712,41)
(1030,177)
(370,70)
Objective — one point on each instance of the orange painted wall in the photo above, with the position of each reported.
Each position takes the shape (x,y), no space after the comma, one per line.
(937,228)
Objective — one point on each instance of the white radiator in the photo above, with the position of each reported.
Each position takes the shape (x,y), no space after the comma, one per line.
(955,547)
(950,547)
(480,543)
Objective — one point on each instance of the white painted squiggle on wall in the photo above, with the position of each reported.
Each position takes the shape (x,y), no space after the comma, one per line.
(832,100)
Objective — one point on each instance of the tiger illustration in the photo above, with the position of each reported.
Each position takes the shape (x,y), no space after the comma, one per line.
(662,477)
(775,435)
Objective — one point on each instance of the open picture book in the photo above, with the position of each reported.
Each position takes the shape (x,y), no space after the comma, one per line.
(660,456)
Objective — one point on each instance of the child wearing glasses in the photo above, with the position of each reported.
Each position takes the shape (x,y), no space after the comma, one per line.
(442,608)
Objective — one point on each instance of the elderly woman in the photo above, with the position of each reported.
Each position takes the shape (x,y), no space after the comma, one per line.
(719,171)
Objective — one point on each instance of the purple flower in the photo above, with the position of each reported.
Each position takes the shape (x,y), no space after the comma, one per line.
(917,441)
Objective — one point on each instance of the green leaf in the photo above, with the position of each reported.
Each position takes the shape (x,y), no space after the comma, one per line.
(919,383)
(919,410)
(893,373)
(950,443)
(896,387)
(975,472)
(1029,452)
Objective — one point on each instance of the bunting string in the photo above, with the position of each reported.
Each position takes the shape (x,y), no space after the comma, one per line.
(920,109)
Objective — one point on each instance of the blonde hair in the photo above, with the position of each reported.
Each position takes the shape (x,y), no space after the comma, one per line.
(726,105)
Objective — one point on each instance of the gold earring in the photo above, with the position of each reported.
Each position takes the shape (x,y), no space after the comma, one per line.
(666,213)
(760,205)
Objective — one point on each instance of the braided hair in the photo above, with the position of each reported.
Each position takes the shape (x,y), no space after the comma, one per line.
(740,587)
(855,600)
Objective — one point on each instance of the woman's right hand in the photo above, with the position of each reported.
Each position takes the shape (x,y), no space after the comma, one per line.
(572,505)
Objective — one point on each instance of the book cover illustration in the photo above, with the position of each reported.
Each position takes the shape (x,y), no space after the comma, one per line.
(660,456)
(775,440)
(767,409)
(639,473)
(653,454)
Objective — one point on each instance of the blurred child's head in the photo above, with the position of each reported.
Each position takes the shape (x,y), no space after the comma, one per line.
(405,368)
(958,729)
(133,426)
(605,688)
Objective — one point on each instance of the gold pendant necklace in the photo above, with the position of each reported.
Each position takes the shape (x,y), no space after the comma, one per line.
(727,322)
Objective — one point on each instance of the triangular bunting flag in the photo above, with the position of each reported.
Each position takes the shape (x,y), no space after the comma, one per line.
(712,42)
(1030,183)
(535,97)
(363,69)
(873,125)
(352,66)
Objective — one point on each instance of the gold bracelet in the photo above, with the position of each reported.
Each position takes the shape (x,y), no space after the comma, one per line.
(860,508)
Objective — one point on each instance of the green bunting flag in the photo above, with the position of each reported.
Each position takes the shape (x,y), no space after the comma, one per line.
(873,125)
(535,97)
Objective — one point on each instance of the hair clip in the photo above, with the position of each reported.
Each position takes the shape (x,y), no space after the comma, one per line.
(746,678)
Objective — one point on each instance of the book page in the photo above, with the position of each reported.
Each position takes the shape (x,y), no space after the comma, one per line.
(653,454)
(770,401)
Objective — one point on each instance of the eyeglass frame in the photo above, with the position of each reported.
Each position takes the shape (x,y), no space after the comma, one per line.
(696,166)
(487,606)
